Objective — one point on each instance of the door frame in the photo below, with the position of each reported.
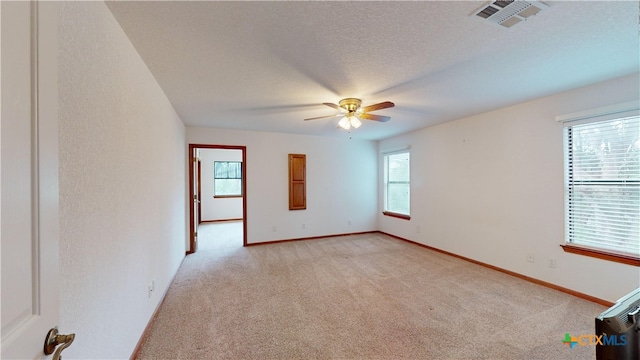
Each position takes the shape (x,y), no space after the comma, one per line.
(192,230)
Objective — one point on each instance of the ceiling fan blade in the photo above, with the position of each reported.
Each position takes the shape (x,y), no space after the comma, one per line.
(322,117)
(375,117)
(337,107)
(382,105)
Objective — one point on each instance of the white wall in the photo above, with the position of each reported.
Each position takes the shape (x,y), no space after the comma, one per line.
(341,183)
(122,181)
(217,208)
(490,187)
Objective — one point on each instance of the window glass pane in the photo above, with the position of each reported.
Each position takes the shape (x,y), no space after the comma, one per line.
(606,217)
(227,170)
(398,167)
(606,150)
(398,198)
(227,187)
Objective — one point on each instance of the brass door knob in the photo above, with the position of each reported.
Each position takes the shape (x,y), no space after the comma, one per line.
(54,339)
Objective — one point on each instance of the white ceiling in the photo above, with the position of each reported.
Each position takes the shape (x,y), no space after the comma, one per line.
(268,65)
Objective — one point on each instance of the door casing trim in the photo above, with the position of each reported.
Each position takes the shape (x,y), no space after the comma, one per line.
(192,229)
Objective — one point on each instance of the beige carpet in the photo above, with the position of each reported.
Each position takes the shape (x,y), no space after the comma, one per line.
(356,297)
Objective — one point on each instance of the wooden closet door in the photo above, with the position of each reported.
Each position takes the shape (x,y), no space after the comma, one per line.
(297,182)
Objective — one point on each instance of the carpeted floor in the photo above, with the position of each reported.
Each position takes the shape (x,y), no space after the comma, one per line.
(356,297)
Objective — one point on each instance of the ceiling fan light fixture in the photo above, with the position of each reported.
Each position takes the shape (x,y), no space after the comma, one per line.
(345,123)
(355,122)
(350,121)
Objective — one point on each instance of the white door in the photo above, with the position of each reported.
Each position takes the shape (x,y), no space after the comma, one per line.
(196,199)
(29,174)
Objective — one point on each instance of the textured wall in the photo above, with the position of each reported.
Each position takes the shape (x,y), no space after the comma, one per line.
(217,208)
(122,181)
(491,187)
(341,183)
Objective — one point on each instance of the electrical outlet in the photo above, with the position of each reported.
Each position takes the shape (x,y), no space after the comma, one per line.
(349,222)
(304,226)
(417,229)
(553,263)
(531,258)
(274,229)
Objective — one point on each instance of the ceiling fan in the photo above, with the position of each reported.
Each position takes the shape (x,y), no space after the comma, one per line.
(351,112)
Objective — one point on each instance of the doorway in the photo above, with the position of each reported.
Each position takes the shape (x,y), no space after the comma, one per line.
(201,176)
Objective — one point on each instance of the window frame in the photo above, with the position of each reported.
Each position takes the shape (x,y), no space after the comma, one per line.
(569,121)
(385,161)
(218,196)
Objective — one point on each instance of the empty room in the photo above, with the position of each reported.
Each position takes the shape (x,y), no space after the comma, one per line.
(320,180)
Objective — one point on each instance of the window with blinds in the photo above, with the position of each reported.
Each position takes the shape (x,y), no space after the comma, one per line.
(227,178)
(396,184)
(602,178)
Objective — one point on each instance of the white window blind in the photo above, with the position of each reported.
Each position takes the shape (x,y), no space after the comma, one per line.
(397,185)
(602,184)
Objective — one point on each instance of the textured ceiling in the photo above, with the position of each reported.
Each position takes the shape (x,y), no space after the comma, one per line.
(268,65)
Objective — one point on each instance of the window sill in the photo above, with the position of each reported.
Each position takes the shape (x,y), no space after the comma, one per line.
(601,254)
(226,196)
(396,215)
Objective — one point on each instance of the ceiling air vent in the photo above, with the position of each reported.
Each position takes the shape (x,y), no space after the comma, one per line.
(508,13)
